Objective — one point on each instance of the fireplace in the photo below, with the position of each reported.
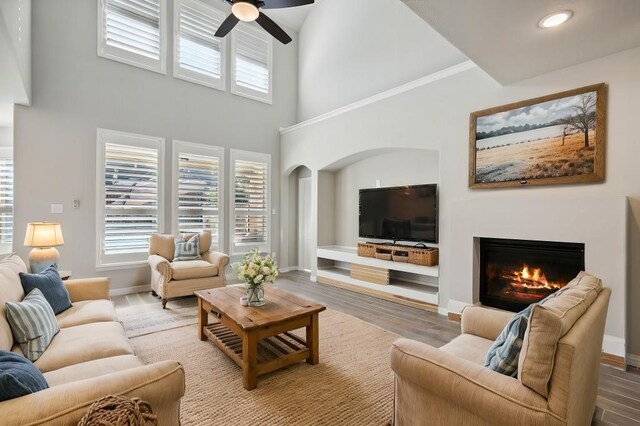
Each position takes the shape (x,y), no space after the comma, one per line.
(516,273)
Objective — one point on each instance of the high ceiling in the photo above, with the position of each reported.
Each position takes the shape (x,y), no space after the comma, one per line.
(503,37)
(292,18)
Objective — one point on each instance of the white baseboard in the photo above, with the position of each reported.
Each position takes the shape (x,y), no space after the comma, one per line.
(313,278)
(455,306)
(633,360)
(289,269)
(443,311)
(129,290)
(614,346)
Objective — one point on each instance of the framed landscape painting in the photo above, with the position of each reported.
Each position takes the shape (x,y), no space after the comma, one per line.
(555,139)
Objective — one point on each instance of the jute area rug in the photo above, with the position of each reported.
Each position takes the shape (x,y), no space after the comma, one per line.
(352,385)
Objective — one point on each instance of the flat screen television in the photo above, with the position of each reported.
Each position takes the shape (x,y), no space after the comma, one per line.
(402,213)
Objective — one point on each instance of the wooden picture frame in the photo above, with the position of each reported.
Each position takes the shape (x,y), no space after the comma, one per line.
(540,141)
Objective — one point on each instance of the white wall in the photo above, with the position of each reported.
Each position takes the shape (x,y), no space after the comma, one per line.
(436,116)
(76,92)
(352,49)
(411,167)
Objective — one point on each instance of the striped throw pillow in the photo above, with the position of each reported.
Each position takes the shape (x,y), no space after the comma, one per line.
(187,250)
(504,353)
(33,324)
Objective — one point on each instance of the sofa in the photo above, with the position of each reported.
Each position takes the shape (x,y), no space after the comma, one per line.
(89,358)
(450,385)
(174,279)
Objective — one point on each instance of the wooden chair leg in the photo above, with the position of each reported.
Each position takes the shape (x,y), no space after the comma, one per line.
(164,303)
(154,294)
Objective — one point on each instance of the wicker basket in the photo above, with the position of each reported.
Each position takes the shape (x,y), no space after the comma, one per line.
(426,256)
(400,255)
(367,249)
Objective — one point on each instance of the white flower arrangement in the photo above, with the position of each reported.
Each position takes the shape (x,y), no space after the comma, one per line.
(255,269)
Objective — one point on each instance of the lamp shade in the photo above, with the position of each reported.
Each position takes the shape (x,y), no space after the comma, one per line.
(43,234)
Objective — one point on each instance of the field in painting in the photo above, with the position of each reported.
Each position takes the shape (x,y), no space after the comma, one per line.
(537,159)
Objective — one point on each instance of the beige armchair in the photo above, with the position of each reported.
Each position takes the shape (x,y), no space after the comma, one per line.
(449,385)
(174,279)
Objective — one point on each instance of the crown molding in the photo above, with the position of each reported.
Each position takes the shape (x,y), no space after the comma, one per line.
(427,79)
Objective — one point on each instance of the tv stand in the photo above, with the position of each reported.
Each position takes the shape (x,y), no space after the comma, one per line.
(405,283)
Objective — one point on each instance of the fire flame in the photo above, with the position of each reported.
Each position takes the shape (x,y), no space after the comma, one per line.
(534,277)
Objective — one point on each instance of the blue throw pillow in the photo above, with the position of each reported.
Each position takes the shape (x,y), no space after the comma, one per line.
(187,250)
(32,323)
(51,286)
(18,376)
(505,351)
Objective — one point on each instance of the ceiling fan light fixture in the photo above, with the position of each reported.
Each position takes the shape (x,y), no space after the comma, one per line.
(555,19)
(245,11)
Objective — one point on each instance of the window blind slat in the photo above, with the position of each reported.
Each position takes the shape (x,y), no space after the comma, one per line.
(133,26)
(198,194)
(250,225)
(199,51)
(6,204)
(252,60)
(130,197)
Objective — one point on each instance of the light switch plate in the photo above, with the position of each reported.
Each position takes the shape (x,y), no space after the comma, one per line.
(57,208)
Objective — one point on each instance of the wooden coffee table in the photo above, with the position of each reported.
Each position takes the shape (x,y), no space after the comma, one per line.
(259,339)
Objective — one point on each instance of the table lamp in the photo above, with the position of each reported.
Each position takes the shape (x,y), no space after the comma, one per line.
(43,237)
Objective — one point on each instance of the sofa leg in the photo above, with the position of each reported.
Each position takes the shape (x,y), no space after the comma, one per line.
(154,294)
(164,303)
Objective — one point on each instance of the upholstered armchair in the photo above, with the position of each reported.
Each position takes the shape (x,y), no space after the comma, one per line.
(181,278)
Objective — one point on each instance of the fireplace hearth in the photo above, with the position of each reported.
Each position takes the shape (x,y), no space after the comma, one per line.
(516,273)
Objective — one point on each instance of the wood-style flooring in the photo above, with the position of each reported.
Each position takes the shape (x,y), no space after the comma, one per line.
(618,393)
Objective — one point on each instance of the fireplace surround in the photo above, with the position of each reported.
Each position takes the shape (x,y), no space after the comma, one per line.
(516,273)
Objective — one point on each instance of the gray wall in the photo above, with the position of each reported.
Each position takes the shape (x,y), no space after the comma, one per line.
(75,92)
(406,167)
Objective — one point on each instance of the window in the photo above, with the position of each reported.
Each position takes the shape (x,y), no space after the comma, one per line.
(199,56)
(250,201)
(6,200)
(198,189)
(251,63)
(129,202)
(133,32)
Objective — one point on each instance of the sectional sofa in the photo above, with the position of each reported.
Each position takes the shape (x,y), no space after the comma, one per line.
(89,358)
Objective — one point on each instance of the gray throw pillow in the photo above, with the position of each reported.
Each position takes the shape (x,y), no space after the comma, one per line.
(33,324)
(187,250)
(51,286)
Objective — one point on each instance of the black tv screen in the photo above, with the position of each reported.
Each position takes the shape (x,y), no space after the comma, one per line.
(403,213)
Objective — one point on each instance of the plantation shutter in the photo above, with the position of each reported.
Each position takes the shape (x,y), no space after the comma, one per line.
(199,194)
(251,205)
(252,61)
(6,203)
(198,50)
(133,26)
(130,198)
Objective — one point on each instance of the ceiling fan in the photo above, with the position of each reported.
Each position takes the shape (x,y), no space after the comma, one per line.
(249,10)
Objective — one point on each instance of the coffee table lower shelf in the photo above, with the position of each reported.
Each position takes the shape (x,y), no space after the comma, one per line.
(273,352)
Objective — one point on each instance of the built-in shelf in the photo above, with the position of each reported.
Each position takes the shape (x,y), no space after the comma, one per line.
(401,287)
(350,255)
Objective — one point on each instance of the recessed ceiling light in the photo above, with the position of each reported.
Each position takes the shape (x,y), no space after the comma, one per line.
(555,19)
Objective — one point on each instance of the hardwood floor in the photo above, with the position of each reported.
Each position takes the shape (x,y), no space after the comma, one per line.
(618,394)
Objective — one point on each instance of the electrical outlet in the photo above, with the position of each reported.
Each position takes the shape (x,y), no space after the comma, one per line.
(76,204)
(377,183)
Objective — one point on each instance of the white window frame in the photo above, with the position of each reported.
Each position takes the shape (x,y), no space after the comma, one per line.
(199,149)
(131,139)
(7,153)
(245,91)
(192,76)
(236,154)
(130,58)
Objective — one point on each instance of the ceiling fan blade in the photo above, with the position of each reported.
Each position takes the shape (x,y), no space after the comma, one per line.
(227,25)
(279,4)
(273,28)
